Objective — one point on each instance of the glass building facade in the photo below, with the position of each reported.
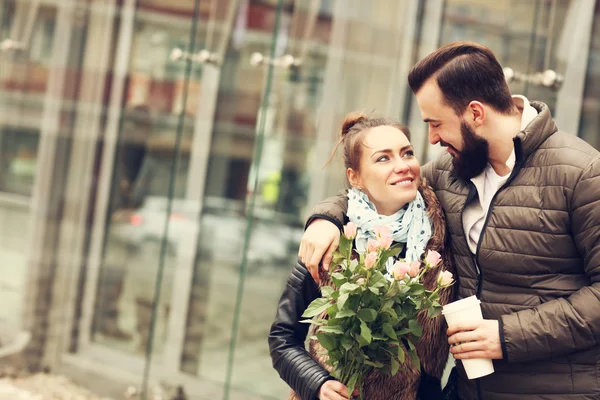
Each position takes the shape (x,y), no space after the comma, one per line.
(158,159)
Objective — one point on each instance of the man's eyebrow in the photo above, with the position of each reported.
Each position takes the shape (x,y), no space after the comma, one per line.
(427,120)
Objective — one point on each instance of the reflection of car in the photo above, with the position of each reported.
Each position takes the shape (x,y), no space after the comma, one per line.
(221,228)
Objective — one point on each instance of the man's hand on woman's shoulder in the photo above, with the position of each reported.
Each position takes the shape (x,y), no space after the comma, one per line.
(319,241)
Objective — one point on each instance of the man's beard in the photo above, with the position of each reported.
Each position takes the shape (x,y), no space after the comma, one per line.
(473,158)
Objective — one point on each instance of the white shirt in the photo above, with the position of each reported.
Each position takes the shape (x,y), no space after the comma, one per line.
(489,182)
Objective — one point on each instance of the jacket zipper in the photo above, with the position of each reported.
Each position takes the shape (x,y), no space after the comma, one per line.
(514,172)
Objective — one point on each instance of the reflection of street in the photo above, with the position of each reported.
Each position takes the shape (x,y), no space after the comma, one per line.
(133,253)
(252,365)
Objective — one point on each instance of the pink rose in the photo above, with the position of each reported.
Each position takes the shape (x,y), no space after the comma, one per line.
(384,242)
(373,246)
(445,279)
(400,269)
(433,258)
(414,269)
(382,231)
(370,260)
(350,230)
(360,281)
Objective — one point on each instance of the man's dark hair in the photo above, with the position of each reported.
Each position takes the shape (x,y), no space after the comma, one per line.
(464,71)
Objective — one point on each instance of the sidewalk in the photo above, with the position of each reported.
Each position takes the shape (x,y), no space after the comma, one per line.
(43,387)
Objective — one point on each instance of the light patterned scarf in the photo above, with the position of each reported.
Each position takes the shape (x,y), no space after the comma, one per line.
(408,225)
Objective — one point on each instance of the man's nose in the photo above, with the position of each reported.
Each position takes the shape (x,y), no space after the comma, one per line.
(434,138)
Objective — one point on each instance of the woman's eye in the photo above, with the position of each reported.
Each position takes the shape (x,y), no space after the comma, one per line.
(383,158)
(409,153)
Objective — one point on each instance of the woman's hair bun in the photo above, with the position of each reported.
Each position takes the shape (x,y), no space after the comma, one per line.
(351,120)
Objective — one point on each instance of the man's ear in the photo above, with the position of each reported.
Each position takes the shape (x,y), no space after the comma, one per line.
(476,113)
(353,177)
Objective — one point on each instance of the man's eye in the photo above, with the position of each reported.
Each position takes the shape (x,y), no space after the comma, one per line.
(435,125)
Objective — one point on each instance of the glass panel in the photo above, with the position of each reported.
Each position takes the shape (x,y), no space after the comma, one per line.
(147,212)
(589,129)
(235,128)
(24,78)
(264,163)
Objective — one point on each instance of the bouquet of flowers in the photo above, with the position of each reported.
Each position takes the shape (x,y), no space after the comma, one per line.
(368,320)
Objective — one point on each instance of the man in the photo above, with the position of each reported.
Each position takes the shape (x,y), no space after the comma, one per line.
(522,201)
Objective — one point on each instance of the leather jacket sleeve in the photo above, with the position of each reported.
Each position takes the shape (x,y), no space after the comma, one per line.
(287,337)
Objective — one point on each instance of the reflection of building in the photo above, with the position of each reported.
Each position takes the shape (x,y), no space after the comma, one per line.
(233,159)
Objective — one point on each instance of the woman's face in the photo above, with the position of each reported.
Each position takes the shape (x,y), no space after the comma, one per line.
(388,172)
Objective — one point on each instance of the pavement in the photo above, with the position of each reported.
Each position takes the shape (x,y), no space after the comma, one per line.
(43,387)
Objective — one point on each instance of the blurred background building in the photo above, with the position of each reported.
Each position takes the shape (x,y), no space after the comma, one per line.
(158,158)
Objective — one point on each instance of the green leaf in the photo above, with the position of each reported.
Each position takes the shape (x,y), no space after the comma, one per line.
(353,265)
(387,305)
(376,364)
(352,384)
(345,313)
(389,330)
(338,279)
(327,341)
(395,366)
(415,328)
(316,307)
(401,354)
(365,332)
(374,290)
(337,330)
(332,310)
(341,301)
(347,343)
(433,311)
(416,289)
(327,291)
(348,288)
(378,280)
(345,245)
(378,337)
(367,314)
(414,359)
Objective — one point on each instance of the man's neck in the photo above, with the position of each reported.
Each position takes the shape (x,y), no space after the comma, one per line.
(501,141)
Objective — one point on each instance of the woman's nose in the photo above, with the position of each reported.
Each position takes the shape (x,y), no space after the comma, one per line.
(400,166)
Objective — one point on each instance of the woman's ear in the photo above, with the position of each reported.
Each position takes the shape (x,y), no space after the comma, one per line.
(353,178)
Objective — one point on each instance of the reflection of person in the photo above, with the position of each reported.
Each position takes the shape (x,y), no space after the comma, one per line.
(131,151)
(522,201)
(384,173)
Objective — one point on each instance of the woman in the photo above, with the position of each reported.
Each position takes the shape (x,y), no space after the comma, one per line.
(386,189)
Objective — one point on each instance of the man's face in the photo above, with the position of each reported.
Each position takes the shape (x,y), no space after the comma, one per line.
(469,151)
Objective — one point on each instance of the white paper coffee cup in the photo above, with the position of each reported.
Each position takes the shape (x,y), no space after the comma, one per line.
(468,310)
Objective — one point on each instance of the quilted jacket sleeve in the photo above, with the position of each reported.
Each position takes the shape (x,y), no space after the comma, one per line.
(332,209)
(286,339)
(570,324)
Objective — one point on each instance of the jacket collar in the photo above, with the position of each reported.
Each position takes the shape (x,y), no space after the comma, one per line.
(537,131)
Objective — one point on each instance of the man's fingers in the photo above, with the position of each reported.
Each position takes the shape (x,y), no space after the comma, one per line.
(313,265)
(329,255)
(467,347)
(464,336)
(472,354)
(466,326)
